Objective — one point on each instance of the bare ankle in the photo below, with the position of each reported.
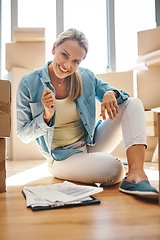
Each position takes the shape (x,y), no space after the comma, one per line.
(136,176)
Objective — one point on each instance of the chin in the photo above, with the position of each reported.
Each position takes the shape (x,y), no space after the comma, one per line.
(61,75)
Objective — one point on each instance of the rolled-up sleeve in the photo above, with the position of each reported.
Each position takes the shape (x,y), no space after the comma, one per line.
(102,88)
(29,126)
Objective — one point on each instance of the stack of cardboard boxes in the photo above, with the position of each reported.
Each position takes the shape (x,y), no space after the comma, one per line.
(143,82)
(25,54)
(5,127)
(148,81)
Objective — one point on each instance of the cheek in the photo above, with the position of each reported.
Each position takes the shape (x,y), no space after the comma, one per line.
(58,58)
(75,67)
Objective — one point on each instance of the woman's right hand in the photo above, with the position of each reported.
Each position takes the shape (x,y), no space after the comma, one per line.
(49,103)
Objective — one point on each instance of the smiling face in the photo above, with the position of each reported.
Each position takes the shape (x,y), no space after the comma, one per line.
(67,57)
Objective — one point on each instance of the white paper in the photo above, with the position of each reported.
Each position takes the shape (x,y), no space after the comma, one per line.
(33,199)
(58,193)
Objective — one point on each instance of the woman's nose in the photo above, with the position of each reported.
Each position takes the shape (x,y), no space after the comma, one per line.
(67,65)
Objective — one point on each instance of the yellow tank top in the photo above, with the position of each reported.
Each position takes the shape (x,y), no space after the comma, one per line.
(68,125)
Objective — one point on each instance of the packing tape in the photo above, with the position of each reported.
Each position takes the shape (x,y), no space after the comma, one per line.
(5,107)
(2,165)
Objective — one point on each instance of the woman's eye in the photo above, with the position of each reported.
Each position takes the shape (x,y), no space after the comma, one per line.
(76,61)
(64,54)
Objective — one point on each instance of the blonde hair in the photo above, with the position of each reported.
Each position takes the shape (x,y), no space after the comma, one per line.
(73,34)
(75,88)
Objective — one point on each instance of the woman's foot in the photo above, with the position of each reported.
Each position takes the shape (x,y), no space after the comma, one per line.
(136,183)
(136,176)
(142,189)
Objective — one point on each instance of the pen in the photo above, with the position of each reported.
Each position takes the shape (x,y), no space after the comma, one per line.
(45,86)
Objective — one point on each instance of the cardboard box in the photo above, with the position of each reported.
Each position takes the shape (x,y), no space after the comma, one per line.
(2,165)
(155,154)
(5,108)
(16,149)
(25,55)
(148,41)
(151,145)
(119,80)
(29,34)
(151,123)
(148,87)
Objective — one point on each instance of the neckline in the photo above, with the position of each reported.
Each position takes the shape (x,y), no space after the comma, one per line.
(61,99)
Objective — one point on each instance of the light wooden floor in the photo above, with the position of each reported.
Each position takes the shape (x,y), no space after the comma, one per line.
(119,216)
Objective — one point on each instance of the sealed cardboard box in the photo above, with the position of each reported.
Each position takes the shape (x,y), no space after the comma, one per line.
(151,145)
(25,55)
(16,149)
(119,80)
(5,108)
(148,41)
(2,166)
(29,34)
(151,123)
(148,87)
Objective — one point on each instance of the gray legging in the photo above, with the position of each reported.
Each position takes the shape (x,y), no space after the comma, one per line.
(95,164)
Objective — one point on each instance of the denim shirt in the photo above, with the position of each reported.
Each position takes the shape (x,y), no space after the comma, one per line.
(30,122)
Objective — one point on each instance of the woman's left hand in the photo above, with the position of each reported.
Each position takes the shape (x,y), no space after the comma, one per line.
(109,104)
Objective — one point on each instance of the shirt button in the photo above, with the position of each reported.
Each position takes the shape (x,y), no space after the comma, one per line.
(80,112)
(86,124)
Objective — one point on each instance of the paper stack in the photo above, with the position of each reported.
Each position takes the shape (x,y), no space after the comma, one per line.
(57,195)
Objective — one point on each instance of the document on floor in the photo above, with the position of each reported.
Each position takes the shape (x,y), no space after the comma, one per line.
(57,195)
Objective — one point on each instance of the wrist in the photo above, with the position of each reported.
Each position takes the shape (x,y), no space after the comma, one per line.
(46,118)
(116,93)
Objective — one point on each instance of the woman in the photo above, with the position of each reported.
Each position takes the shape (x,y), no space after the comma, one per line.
(61,118)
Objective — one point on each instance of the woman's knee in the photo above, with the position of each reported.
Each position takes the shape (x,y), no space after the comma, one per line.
(117,172)
(110,170)
(120,172)
(135,102)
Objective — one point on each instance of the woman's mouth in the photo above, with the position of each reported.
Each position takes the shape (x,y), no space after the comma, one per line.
(63,70)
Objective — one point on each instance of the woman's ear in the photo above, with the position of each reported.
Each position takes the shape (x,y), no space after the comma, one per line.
(53,49)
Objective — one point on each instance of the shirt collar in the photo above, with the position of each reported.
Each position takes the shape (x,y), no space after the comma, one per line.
(44,72)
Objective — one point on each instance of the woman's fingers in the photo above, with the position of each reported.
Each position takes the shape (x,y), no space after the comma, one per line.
(110,109)
(49,103)
(103,113)
(109,105)
(48,98)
